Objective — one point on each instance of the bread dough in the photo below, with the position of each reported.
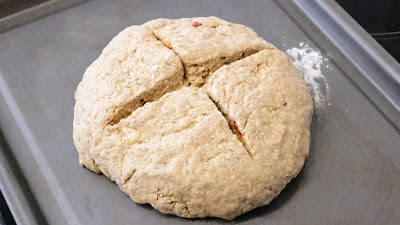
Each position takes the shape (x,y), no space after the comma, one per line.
(144,119)
(206,44)
(266,100)
(133,69)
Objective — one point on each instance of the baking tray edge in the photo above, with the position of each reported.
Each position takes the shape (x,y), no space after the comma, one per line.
(35,12)
(13,184)
(334,19)
(377,73)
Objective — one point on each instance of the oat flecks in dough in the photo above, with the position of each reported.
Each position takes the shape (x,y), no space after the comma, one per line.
(216,151)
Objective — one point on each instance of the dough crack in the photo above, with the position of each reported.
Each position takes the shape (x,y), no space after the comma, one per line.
(247,118)
(235,130)
(198,72)
(159,90)
(130,176)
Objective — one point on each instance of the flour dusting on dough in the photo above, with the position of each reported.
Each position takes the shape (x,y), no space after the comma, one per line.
(308,61)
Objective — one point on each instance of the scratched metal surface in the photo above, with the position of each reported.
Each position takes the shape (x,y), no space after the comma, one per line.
(351,175)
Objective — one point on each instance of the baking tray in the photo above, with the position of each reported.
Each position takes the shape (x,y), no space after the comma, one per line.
(19,12)
(350,177)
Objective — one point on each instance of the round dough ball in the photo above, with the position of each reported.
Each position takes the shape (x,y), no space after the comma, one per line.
(198,117)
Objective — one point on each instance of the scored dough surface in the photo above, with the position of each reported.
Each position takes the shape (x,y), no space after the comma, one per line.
(205,48)
(198,117)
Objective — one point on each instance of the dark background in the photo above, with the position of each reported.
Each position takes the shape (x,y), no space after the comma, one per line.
(9,7)
(381,18)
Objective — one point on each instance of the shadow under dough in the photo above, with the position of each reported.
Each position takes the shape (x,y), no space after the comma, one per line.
(284,197)
(286,194)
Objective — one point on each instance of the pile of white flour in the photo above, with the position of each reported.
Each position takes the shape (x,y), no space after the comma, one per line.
(308,61)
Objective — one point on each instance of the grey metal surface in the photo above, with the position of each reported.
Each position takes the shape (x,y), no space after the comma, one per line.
(351,176)
(20,12)
(378,72)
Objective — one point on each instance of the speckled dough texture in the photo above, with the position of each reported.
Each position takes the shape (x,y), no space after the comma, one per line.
(198,117)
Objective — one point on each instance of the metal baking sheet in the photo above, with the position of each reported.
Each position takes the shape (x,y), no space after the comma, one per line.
(14,13)
(350,177)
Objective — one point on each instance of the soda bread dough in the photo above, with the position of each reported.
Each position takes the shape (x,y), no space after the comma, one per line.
(198,117)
